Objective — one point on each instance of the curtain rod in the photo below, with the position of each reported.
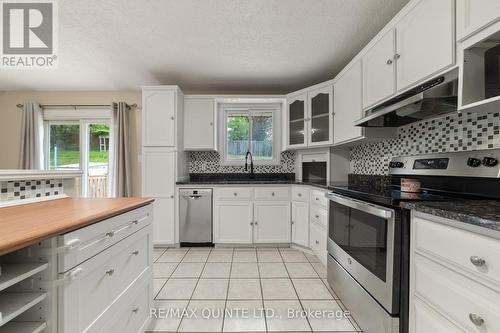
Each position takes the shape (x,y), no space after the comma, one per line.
(76,106)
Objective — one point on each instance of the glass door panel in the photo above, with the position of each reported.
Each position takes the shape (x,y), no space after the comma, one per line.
(320,118)
(64,146)
(296,117)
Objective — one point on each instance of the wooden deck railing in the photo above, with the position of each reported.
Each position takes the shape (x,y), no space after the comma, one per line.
(98,186)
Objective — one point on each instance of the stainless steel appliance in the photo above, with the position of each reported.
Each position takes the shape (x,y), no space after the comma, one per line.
(369,232)
(429,99)
(195,216)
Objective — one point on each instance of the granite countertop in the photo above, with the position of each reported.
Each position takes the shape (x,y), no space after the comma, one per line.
(483,213)
(252,182)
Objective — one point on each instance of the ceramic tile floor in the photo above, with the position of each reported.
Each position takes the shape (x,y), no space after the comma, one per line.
(244,290)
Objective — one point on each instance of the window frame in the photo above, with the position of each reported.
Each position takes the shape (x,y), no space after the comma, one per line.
(228,109)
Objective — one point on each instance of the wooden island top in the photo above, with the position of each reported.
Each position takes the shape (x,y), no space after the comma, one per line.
(27,224)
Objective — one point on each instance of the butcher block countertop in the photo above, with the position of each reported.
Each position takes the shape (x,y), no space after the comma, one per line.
(24,225)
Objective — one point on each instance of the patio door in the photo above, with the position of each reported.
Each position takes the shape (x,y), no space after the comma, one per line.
(81,144)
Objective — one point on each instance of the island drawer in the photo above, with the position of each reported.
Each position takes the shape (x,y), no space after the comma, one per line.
(82,244)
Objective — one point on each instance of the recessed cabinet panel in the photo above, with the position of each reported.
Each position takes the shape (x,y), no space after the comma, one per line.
(158,172)
(163,224)
(233,222)
(199,124)
(272,222)
(379,76)
(159,118)
(348,105)
(472,15)
(424,42)
(300,223)
(297,114)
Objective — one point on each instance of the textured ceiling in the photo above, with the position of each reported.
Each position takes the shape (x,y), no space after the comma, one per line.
(272,46)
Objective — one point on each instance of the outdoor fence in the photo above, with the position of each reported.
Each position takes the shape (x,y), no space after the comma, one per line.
(259,148)
(98,186)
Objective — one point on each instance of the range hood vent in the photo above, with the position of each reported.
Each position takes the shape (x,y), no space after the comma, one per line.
(432,98)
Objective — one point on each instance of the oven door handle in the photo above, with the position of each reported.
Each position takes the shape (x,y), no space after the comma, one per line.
(360,205)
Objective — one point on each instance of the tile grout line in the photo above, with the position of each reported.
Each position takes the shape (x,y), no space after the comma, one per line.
(227,291)
(170,275)
(261,289)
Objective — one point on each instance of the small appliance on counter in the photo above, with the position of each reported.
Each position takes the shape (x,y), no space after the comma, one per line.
(369,232)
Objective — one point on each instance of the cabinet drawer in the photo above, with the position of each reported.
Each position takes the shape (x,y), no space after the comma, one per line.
(91,287)
(234,193)
(82,244)
(318,198)
(459,247)
(272,193)
(318,242)
(425,320)
(300,193)
(456,296)
(319,216)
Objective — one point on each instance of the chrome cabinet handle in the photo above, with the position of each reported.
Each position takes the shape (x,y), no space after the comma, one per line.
(477,261)
(273,194)
(110,272)
(316,216)
(300,194)
(251,223)
(171,197)
(397,56)
(255,223)
(317,242)
(110,234)
(235,194)
(293,222)
(172,117)
(135,310)
(475,319)
(135,252)
(389,62)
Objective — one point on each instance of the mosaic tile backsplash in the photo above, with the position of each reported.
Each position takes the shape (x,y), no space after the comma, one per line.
(210,162)
(453,132)
(28,189)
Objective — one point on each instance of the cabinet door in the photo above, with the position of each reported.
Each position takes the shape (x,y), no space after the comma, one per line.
(164,221)
(158,117)
(158,172)
(297,114)
(300,223)
(199,120)
(347,105)
(472,15)
(379,71)
(320,120)
(233,222)
(272,222)
(424,42)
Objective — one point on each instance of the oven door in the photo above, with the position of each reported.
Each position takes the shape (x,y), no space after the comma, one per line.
(361,239)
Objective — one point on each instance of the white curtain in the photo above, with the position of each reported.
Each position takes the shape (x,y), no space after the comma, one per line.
(31,150)
(119,145)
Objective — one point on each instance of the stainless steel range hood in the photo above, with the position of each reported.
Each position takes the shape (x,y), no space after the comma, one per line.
(432,98)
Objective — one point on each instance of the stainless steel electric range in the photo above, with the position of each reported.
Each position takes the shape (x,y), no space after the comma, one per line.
(369,232)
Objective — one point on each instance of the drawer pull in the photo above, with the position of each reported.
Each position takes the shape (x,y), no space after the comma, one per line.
(135,222)
(110,234)
(317,242)
(316,216)
(256,223)
(273,194)
(477,261)
(235,194)
(300,194)
(317,199)
(135,252)
(110,272)
(293,222)
(475,319)
(135,310)
(251,223)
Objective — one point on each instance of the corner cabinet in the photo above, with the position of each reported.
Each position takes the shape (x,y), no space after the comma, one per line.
(310,117)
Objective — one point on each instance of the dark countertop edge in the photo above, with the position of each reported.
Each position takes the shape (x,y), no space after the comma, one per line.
(465,218)
(251,182)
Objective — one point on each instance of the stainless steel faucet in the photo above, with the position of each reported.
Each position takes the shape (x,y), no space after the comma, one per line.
(251,163)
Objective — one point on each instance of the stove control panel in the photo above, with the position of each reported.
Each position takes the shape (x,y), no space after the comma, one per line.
(396,164)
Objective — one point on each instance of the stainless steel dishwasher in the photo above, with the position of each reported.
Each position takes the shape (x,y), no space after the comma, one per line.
(195,216)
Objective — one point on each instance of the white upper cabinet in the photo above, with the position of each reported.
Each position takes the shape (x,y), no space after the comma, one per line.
(296,116)
(320,119)
(379,72)
(424,42)
(473,15)
(158,116)
(347,105)
(199,124)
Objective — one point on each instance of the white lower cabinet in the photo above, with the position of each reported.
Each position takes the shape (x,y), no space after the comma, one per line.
(272,222)
(448,294)
(318,242)
(233,222)
(300,223)
(164,226)
(94,292)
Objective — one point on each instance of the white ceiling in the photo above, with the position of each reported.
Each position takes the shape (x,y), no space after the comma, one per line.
(272,46)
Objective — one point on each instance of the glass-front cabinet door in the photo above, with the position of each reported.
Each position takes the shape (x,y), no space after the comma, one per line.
(297,115)
(320,120)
